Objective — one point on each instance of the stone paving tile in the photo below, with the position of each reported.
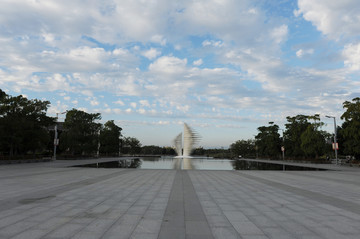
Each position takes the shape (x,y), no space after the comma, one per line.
(31,234)
(272,211)
(66,231)
(71,203)
(15,228)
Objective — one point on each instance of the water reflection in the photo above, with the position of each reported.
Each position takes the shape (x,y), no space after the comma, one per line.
(192,163)
(252,165)
(126,163)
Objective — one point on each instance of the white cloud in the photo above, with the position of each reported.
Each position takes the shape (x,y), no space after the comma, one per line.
(212,43)
(119,102)
(169,65)
(351,53)
(158,39)
(94,102)
(133,104)
(120,52)
(152,53)
(333,18)
(144,103)
(279,34)
(142,111)
(300,53)
(198,62)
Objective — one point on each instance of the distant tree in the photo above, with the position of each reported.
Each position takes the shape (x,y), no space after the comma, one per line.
(156,150)
(351,126)
(245,148)
(131,145)
(81,132)
(295,127)
(340,139)
(218,153)
(2,95)
(168,151)
(198,151)
(313,139)
(23,124)
(268,141)
(110,138)
(151,150)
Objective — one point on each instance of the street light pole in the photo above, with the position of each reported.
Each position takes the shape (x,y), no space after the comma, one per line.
(335,143)
(56,140)
(283,146)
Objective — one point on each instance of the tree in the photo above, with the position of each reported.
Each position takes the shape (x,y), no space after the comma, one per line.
(131,145)
(198,151)
(313,140)
(245,148)
(351,126)
(23,124)
(110,138)
(268,140)
(81,132)
(295,127)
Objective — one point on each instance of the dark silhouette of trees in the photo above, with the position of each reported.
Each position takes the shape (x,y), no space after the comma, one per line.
(23,125)
(81,132)
(131,145)
(110,138)
(351,127)
(268,141)
(293,129)
(313,139)
(243,148)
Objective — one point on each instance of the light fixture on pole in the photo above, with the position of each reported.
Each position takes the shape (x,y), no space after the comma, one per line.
(335,143)
(56,140)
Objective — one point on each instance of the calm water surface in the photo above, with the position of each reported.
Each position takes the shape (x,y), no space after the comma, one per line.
(192,164)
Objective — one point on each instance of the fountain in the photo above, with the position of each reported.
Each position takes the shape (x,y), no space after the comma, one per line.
(183,147)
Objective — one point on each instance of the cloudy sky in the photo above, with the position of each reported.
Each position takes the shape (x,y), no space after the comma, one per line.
(225,67)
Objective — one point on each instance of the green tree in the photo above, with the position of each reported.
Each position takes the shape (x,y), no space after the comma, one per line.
(131,145)
(268,141)
(81,132)
(23,124)
(313,140)
(198,151)
(168,151)
(245,148)
(351,126)
(110,138)
(295,127)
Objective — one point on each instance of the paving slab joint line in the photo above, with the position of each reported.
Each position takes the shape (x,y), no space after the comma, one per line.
(51,192)
(336,202)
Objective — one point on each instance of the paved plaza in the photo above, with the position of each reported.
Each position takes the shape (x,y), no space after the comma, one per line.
(52,200)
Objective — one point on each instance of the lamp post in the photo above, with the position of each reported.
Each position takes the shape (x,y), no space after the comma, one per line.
(98,146)
(283,145)
(335,143)
(56,140)
(283,148)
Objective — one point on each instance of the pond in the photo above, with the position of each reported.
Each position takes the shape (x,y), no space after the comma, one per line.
(193,164)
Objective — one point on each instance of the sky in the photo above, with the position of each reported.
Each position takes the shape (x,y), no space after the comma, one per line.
(225,67)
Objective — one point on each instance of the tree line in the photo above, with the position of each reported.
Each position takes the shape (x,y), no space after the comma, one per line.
(303,137)
(25,129)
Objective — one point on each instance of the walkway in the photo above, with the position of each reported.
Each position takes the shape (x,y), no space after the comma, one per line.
(48,200)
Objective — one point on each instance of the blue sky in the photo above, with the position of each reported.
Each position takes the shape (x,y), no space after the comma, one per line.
(225,67)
